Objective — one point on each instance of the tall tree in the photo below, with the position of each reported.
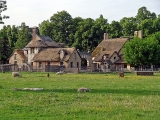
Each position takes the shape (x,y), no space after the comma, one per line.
(142,51)
(143,14)
(4,46)
(115,29)
(100,26)
(147,27)
(62,26)
(128,26)
(46,28)
(84,35)
(9,37)
(23,36)
(75,27)
(156,24)
(14,36)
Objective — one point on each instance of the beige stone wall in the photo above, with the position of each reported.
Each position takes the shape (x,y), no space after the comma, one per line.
(36,64)
(128,67)
(120,52)
(138,34)
(74,58)
(65,64)
(114,58)
(18,59)
(32,54)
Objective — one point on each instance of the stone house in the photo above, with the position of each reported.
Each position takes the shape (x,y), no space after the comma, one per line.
(61,58)
(17,58)
(44,54)
(108,55)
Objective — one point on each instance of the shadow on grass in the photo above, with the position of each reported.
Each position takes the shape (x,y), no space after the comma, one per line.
(103,91)
(42,76)
(126,91)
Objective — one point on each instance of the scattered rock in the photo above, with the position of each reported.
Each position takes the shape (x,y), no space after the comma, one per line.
(83,90)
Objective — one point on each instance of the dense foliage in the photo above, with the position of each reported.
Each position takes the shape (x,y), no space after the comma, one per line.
(81,33)
(144,51)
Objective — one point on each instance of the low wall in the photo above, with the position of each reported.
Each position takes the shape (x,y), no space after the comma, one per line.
(71,70)
(145,73)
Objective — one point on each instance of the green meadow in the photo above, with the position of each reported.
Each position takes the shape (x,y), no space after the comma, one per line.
(111,98)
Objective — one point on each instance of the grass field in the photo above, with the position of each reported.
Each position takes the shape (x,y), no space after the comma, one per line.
(111,98)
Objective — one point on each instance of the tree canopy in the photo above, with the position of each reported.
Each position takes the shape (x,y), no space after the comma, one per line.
(144,51)
(83,34)
(3,7)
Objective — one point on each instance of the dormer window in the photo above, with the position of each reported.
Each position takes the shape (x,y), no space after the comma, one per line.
(106,56)
(32,50)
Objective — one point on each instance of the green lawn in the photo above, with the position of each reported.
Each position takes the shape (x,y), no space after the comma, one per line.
(111,98)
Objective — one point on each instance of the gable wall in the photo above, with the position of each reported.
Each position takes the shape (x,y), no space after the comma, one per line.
(114,57)
(18,59)
(74,58)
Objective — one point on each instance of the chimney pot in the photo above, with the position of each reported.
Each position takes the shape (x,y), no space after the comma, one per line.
(105,36)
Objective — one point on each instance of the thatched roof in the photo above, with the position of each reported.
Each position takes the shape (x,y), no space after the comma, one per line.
(53,54)
(42,42)
(99,56)
(20,53)
(108,46)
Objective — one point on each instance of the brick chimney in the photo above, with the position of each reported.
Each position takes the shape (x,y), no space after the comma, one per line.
(34,31)
(106,36)
(138,34)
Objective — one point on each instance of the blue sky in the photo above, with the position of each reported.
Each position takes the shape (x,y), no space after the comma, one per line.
(33,12)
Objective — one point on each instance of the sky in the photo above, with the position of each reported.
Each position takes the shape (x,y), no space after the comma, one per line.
(34,12)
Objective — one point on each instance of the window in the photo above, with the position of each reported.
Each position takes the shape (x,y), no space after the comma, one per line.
(40,64)
(48,63)
(31,63)
(98,66)
(105,57)
(15,56)
(71,64)
(32,50)
(77,64)
(114,58)
(125,65)
(61,63)
(15,62)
